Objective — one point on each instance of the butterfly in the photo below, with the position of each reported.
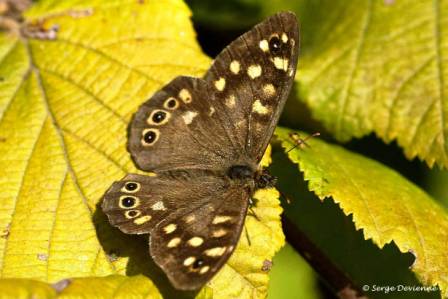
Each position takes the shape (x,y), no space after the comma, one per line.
(203,140)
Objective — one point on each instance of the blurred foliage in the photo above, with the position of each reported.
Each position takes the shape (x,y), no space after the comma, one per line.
(291,277)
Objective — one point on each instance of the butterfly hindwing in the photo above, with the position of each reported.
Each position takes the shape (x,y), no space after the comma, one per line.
(132,205)
(192,246)
(137,203)
(253,77)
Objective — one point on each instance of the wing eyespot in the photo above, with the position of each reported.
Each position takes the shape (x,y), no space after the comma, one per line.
(149,137)
(197,264)
(128,202)
(131,187)
(171,103)
(158,117)
(275,45)
(132,214)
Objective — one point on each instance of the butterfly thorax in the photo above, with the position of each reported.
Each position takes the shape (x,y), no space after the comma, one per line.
(254,178)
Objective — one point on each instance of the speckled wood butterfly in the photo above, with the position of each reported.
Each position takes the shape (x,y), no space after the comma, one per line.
(203,139)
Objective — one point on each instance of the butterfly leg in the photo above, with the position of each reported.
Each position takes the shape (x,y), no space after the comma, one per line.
(252,213)
(246,232)
(264,179)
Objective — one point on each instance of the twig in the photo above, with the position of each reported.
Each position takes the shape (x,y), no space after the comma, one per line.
(337,280)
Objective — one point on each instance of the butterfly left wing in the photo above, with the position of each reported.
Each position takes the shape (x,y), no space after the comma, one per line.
(253,77)
(192,246)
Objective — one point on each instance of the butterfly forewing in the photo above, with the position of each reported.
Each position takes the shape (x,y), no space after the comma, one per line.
(253,77)
(176,129)
(192,246)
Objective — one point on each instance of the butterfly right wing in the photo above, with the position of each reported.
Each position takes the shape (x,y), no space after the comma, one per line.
(192,245)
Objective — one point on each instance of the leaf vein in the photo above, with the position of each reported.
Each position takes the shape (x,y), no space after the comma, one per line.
(348,85)
(88,92)
(28,161)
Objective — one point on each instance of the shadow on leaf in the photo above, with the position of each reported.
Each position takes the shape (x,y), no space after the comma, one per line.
(117,244)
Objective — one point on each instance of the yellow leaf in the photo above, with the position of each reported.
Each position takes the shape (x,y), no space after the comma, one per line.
(384,204)
(72,78)
(114,286)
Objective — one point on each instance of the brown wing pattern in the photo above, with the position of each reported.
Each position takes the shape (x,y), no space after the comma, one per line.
(176,129)
(192,246)
(253,77)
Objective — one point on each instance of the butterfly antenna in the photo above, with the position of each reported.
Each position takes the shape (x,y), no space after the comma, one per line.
(301,141)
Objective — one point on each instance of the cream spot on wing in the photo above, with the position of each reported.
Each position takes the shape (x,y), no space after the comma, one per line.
(143,219)
(190,218)
(264,45)
(204,269)
(189,116)
(173,242)
(170,228)
(230,101)
(229,249)
(221,219)
(212,110)
(219,233)
(254,71)
(291,72)
(269,90)
(185,95)
(217,251)
(280,63)
(158,206)
(284,38)
(195,241)
(235,67)
(293,42)
(258,107)
(189,261)
(220,84)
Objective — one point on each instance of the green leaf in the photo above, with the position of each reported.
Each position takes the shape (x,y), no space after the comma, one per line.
(379,66)
(382,203)
(65,103)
